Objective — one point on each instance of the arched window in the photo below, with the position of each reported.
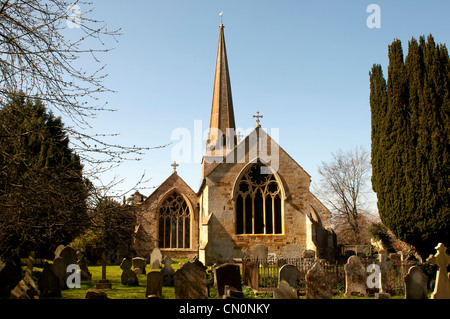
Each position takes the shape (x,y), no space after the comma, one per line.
(174,222)
(258,203)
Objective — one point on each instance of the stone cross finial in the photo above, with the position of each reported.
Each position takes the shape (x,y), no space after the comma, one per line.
(257,116)
(441,259)
(174,165)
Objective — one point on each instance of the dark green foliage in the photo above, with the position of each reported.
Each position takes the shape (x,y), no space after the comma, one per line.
(410,143)
(42,190)
(379,232)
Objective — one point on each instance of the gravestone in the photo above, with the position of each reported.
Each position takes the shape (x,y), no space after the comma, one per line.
(167,272)
(251,274)
(154,284)
(155,258)
(355,277)
(103,283)
(260,252)
(58,250)
(285,291)
(139,265)
(227,274)
(290,274)
(69,255)
(82,262)
(441,259)
(59,269)
(384,267)
(48,283)
(10,275)
(416,284)
(230,292)
(190,282)
(95,294)
(26,288)
(317,283)
(128,277)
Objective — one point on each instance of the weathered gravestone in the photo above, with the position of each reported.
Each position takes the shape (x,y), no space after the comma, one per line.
(442,286)
(355,277)
(82,262)
(48,283)
(285,291)
(69,255)
(290,274)
(260,252)
(59,269)
(251,274)
(167,272)
(230,292)
(154,284)
(103,283)
(10,275)
(128,277)
(139,265)
(26,288)
(155,258)
(190,282)
(416,284)
(95,294)
(384,267)
(227,274)
(317,283)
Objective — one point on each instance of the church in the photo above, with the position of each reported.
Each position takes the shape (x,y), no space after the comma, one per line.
(252,192)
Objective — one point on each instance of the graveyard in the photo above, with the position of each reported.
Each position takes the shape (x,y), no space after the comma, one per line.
(259,276)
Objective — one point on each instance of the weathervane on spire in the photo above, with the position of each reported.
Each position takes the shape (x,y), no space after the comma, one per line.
(221,14)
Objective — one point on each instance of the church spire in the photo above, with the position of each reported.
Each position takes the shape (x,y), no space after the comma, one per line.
(222,114)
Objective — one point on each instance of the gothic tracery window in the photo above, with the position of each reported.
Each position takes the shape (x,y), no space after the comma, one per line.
(174,222)
(258,203)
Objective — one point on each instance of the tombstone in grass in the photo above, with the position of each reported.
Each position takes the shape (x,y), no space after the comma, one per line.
(10,275)
(355,277)
(416,284)
(69,255)
(317,283)
(442,260)
(290,274)
(128,276)
(251,274)
(384,267)
(103,283)
(190,282)
(155,258)
(95,294)
(139,265)
(227,274)
(167,272)
(230,292)
(82,262)
(285,291)
(26,288)
(60,270)
(58,250)
(260,252)
(154,284)
(48,283)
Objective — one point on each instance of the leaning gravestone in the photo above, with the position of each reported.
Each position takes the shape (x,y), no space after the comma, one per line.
(227,274)
(416,284)
(317,283)
(260,252)
(167,271)
(10,275)
(155,258)
(285,291)
(290,274)
(190,282)
(154,284)
(48,283)
(355,277)
(69,255)
(139,265)
(442,260)
(128,277)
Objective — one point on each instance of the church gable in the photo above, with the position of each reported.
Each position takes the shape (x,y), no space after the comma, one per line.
(168,219)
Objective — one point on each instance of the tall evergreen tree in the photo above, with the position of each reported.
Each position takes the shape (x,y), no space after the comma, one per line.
(410,143)
(42,190)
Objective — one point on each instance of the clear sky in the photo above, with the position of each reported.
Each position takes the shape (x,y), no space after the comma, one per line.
(303,64)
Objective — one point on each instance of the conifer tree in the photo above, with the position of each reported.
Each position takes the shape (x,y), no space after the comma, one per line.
(410,143)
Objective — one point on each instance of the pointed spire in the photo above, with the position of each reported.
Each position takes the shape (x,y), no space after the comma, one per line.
(222,114)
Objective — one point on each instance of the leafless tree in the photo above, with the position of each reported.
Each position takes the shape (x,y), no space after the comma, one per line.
(344,188)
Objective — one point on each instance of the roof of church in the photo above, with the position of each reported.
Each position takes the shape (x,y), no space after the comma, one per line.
(222,114)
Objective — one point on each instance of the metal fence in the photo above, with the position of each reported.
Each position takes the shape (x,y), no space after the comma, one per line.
(262,274)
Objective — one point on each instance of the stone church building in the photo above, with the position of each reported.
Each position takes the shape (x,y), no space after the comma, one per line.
(252,192)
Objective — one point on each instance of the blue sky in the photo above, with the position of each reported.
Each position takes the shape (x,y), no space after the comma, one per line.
(303,64)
